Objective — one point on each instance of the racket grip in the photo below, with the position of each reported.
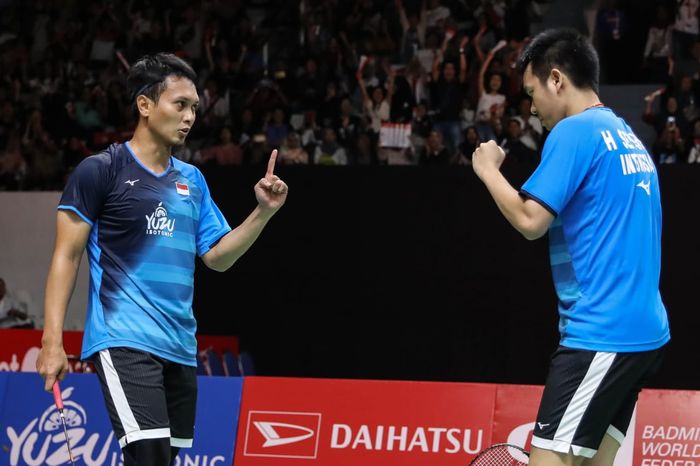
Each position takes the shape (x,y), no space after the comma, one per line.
(57,398)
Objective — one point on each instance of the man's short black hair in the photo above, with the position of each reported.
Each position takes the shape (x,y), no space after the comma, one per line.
(147,75)
(567,50)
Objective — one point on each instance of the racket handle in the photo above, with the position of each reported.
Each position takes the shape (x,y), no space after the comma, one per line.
(57,398)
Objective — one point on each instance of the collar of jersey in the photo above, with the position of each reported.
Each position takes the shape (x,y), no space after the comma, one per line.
(136,159)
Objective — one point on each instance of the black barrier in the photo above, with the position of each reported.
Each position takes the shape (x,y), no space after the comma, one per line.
(413,273)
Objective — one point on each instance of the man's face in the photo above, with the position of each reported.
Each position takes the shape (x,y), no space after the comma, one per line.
(546,103)
(434,140)
(173,115)
(514,130)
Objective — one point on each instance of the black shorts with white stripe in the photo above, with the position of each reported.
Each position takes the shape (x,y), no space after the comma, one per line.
(589,394)
(147,396)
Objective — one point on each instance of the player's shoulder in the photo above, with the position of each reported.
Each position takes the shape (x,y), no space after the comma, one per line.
(587,122)
(105,161)
(187,170)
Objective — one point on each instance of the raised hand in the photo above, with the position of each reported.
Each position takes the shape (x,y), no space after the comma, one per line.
(271,191)
(488,156)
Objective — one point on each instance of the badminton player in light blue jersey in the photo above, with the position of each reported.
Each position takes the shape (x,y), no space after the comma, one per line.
(596,193)
(143,217)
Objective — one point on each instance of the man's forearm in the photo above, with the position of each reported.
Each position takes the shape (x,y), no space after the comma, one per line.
(509,202)
(59,287)
(234,244)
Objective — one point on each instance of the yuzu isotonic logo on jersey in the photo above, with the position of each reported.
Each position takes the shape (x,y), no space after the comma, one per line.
(158,223)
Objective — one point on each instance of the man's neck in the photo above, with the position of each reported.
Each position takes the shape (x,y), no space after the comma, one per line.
(151,152)
(582,100)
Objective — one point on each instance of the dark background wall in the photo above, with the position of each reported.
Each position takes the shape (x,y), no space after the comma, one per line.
(412,273)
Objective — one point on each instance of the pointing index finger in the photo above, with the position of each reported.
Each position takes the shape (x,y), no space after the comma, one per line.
(271,163)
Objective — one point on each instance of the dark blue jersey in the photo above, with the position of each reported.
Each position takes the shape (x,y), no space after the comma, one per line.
(146,231)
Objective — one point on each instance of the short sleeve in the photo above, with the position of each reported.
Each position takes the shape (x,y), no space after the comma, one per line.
(212,224)
(564,165)
(86,189)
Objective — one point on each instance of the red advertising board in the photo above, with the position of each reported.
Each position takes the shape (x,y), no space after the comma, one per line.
(515,414)
(288,421)
(20,348)
(668,428)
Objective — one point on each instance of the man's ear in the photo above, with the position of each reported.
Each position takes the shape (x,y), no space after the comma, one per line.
(557,78)
(144,105)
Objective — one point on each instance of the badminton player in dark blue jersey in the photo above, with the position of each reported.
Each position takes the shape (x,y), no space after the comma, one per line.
(596,193)
(143,217)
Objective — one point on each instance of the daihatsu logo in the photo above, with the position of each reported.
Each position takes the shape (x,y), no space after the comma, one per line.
(273,438)
(282,434)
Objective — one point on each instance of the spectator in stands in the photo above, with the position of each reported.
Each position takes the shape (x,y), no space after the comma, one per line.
(689,66)
(215,105)
(686,96)
(91,109)
(45,165)
(246,126)
(310,86)
(291,152)
(329,152)
(376,109)
(413,25)
(311,134)
(491,100)
(13,167)
(421,126)
(364,152)
(436,15)
(669,112)
(446,92)
(686,27)
(669,146)
(610,39)
(74,152)
(530,124)
(402,98)
(416,78)
(225,152)
(514,147)
(468,146)
(435,152)
(330,106)
(694,154)
(69,68)
(657,50)
(12,314)
(266,97)
(277,129)
(348,125)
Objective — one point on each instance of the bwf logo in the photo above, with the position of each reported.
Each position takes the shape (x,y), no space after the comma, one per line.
(282,434)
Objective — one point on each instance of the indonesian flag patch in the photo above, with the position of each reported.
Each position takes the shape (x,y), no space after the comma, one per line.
(182,188)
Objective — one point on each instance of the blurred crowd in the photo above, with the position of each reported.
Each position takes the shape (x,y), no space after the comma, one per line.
(328,82)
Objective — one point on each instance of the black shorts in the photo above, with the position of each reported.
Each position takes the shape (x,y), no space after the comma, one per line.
(589,394)
(147,396)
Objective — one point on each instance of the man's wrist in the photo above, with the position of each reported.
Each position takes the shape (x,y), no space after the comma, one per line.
(54,341)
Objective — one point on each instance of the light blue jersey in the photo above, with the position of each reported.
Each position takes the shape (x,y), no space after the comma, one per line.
(597,178)
(146,230)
